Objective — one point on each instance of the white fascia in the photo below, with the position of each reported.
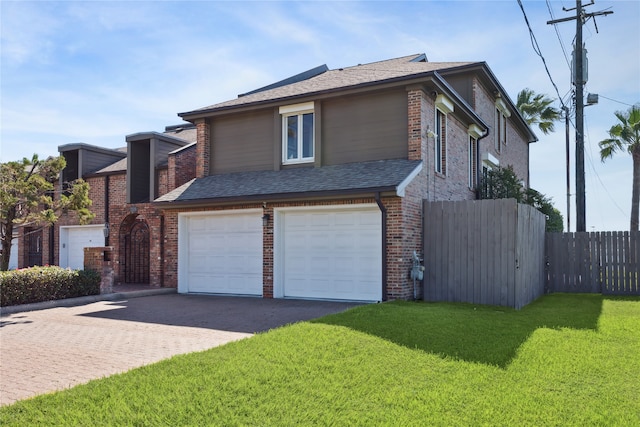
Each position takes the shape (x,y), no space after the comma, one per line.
(444,104)
(400,189)
(502,106)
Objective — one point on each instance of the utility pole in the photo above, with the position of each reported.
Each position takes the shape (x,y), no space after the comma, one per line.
(566,130)
(579,79)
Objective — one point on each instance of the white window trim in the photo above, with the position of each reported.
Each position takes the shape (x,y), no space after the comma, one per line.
(297,110)
(472,158)
(502,113)
(438,159)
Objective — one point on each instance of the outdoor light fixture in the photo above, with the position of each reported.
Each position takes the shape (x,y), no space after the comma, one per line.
(265,219)
(105,230)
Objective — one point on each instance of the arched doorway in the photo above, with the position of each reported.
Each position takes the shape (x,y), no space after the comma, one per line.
(134,250)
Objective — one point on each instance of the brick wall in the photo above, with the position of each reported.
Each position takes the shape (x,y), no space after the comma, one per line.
(163,186)
(182,167)
(516,152)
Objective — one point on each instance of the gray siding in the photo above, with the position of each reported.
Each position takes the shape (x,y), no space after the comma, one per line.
(93,161)
(243,142)
(162,150)
(139,153)
(363,128)
(463,85)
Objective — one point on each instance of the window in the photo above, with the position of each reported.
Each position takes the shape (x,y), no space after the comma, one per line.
(297,133)
(444,106)
(473,162)
(498,128)
(502,113)
(441,142)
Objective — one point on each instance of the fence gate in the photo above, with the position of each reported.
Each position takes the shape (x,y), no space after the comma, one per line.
(134,250)
(600,262)
(483,252)
(33,240)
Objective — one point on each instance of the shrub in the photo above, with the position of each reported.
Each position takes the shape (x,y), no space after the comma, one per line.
(37,284)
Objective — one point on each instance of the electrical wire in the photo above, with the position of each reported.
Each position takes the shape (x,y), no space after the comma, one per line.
(555,27)
(536,49)
(619,102)
(590,158)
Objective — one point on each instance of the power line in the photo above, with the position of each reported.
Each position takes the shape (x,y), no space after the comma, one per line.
(595,172)
(555,27)
(619,102)
(579,79)
(536,49)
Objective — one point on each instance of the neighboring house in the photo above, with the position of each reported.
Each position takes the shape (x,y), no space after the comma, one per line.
(312,187)
(124,181)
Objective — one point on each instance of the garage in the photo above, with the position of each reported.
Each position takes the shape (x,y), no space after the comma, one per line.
(220,252)
(329,253)
(74,239)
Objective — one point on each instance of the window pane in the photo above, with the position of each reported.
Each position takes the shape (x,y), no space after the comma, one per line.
(307,135)
(292,137)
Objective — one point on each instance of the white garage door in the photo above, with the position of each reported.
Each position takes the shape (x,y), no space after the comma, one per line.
(332,254)
(73,240)
(13,256)
(220,253)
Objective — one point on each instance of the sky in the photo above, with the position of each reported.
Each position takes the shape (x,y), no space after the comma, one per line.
(96,71)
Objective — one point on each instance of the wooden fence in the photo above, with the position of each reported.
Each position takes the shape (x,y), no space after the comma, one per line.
(600,262)
(483,252)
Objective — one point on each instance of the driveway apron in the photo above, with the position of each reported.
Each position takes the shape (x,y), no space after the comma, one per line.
(57,348)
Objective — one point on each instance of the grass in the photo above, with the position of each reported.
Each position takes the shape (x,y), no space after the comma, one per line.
(563,360)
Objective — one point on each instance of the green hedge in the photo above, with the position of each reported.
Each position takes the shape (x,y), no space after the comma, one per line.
(37,284)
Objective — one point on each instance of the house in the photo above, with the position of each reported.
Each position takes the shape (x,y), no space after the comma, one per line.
(312,187)
(123,183)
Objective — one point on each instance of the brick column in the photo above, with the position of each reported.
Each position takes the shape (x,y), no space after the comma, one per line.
(415,124)
(203,148)
(171,172)
(100,259)
(267,255)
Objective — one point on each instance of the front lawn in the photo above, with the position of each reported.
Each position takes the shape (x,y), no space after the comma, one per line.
(563,360)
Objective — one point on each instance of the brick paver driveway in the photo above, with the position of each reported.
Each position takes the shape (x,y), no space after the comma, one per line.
(56,348)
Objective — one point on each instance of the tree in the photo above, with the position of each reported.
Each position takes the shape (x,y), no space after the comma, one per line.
(555,222)
(625,136)
(503,183)
(537,109)
(27,198)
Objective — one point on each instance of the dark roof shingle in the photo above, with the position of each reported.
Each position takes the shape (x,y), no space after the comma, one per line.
(382,175)
(339,78)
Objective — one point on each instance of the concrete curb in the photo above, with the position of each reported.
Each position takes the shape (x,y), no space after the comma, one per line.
(72,302)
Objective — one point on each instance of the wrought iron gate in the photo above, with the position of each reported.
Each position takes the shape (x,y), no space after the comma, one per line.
(33,240)
(136,253)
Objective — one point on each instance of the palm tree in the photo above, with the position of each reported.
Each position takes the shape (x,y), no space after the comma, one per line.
(536,109)
(625,136)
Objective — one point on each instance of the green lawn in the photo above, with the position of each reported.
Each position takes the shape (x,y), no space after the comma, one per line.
(563,360)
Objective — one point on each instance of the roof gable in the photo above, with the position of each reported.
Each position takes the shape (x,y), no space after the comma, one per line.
(342,78)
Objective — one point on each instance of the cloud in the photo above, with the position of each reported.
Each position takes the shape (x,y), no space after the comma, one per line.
(26,32)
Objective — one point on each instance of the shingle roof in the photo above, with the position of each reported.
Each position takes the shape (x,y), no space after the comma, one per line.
(382,175)
(341,78)
(119,166)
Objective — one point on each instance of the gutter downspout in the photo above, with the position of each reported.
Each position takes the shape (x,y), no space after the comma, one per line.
(383,210)
(478,165)
(106,206)
(51,244)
